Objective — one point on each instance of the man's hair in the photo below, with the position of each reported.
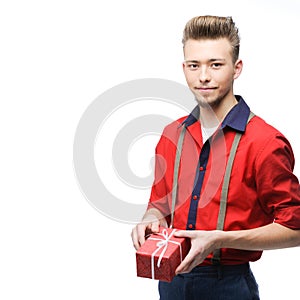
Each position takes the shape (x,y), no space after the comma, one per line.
(213,27)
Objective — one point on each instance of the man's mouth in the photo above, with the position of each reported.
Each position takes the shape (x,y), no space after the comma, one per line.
(205,88)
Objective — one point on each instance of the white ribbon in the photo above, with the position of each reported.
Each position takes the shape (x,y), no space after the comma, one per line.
(163,242)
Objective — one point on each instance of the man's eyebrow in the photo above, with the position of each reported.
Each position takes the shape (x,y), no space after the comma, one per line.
(217,59)
(210,60)
(192,61)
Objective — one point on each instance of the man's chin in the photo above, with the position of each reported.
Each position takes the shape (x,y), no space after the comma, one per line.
(207,103)
(202,102)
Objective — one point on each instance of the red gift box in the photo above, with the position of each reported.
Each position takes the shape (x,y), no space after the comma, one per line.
(161,254)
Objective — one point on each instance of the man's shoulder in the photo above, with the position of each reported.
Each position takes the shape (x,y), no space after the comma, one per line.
(263,128)
(262,133)
(174,125)
(172,130)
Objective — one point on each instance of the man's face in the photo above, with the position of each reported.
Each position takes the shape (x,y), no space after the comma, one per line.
(210,71)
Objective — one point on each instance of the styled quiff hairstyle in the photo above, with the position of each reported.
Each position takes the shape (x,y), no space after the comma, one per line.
(212,27)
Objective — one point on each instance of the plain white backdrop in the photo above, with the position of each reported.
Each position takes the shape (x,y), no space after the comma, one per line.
(56,58)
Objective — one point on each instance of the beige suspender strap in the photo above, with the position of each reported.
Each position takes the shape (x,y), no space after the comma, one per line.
(223,201)
(176,171)
(224,193)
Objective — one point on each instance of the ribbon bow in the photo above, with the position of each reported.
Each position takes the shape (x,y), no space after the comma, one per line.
(162,243)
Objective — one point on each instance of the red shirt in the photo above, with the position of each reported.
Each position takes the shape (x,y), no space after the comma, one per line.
(262,188)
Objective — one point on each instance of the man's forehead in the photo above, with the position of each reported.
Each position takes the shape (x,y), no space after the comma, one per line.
(208,40)
(207,49)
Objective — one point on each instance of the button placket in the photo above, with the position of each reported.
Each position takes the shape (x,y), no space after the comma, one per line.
(195,197)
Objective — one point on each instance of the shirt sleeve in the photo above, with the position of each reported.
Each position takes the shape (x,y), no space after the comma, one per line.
(160,192)
(277,186)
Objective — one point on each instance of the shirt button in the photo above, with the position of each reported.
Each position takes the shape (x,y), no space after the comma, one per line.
(201,169)
(191,226)
(195,197)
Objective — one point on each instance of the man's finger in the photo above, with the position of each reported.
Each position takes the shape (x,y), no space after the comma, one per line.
(134,238)
(138,237)
(184,233)
(184,267)
(155,227)
(141,229)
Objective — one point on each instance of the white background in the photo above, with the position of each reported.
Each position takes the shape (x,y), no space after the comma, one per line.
(56,58)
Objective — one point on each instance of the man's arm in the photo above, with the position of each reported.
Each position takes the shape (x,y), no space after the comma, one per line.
(150,223)
(269,237)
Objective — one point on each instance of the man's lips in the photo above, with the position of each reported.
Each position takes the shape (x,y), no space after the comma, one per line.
(205,88)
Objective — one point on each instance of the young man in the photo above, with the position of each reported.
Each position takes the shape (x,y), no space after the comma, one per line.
(259,209)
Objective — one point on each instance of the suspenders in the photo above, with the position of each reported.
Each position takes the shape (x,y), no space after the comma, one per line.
(176,169)
(224,193)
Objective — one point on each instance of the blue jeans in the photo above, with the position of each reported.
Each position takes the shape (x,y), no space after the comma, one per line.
(212,283)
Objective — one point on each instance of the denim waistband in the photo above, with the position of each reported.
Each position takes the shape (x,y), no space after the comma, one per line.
(220,271)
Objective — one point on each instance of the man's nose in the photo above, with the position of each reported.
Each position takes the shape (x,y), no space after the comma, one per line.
(204,74)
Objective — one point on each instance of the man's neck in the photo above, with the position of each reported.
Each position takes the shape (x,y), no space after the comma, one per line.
(212,116)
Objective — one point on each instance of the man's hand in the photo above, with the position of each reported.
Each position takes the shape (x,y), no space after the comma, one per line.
(268,237)
(202,244)
(151,222)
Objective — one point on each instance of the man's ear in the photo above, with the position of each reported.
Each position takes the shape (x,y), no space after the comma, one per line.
(238,67)
(184,68)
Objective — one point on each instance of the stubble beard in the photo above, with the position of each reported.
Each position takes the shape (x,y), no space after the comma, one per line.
(211,103)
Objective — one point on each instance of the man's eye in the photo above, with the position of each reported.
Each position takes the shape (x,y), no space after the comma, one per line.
(216,65)
(193,66)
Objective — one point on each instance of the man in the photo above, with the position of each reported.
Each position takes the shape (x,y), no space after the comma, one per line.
(258,209)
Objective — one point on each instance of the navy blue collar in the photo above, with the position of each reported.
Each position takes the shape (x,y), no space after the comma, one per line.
(236,118)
